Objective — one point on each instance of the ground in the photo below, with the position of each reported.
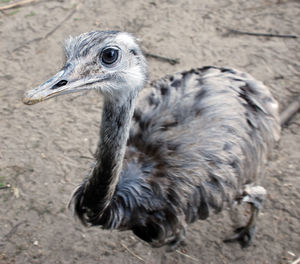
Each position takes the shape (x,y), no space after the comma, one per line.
(46,148)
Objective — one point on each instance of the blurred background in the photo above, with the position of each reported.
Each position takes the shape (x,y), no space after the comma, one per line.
(46,149)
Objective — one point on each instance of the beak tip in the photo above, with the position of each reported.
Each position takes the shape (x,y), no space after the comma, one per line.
(29,100)
(26,101)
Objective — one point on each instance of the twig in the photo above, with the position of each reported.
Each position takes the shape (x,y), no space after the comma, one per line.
(49,33)
(11,232)
(86,157)
(161,58)
(267,5)
(295,123)
(7,186)
(17,4)
(233,31)
(60,24)
(290,111)
(132,253)
(190,257)
(297,261)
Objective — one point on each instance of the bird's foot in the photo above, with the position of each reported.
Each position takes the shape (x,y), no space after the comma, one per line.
(173,245)
(244,235)
(177,241)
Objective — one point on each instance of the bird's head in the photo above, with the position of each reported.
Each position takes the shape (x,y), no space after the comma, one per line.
(108,61)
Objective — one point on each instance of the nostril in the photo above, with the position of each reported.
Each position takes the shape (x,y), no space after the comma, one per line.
(59,84)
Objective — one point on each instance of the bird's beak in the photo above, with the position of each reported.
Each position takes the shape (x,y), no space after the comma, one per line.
(59,84)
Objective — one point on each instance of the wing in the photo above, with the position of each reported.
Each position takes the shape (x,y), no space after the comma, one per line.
(204,122)
(196,138)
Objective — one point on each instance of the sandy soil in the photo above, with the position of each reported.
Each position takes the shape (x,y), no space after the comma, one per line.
(44,148)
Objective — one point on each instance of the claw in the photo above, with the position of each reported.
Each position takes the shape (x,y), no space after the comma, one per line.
(174,245)
(244,236)
(179,240)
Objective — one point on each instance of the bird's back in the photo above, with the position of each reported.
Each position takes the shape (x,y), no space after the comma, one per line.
(196,138)
(204,125)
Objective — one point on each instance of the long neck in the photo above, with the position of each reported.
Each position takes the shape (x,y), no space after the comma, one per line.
(114,132)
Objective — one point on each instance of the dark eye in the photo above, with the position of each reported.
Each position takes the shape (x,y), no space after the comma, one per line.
(109,56)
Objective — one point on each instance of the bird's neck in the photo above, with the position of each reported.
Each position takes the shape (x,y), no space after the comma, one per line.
(114,132)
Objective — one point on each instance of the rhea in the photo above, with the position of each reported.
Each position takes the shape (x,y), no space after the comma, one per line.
(186,146)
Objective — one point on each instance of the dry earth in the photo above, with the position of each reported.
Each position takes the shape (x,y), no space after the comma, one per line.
(44,147)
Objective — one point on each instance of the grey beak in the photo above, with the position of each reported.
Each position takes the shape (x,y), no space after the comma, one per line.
(55,86)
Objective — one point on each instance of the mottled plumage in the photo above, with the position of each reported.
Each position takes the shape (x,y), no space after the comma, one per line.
(195,142)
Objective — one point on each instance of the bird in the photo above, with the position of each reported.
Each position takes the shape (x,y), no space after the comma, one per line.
(171,151)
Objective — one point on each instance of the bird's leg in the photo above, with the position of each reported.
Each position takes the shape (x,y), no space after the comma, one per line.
(254,195)
(244,235)
(177,240)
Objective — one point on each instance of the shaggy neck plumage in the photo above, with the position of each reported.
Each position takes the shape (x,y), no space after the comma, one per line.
(116,118)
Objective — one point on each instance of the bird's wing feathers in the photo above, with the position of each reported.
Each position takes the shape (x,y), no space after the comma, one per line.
(194,134)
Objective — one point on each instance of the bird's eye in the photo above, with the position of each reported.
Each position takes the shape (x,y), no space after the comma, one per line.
(109,56)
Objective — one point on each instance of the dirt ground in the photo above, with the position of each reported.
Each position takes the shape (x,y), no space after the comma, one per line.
(45,148)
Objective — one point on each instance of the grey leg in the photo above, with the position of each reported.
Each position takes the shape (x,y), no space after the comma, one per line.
(254,195)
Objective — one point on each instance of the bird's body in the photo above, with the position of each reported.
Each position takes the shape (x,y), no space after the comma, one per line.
(196,142)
